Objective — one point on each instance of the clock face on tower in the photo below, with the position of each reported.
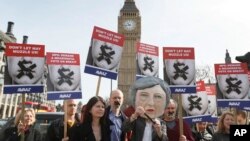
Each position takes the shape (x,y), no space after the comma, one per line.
(129,25)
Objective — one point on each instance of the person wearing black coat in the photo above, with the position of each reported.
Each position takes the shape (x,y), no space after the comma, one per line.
(55,131)
(24,126)
(94,126)
(31,134)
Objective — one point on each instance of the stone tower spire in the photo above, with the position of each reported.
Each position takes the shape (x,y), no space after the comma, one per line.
(129,24)
(129,6)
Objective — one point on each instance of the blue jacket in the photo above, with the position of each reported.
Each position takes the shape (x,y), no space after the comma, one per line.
(110,123)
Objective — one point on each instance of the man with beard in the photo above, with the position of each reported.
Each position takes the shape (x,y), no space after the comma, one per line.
(172,123)
(115,116)
(55,131)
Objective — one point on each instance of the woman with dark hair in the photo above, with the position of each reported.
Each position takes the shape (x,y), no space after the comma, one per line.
(83,111)
(94,127)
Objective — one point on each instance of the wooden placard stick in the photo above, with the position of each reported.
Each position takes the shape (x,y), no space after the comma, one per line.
(180,114)
(65,119)
(22,115)
(98,85)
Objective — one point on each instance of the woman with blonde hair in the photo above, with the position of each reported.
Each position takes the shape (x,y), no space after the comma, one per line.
(23,124)
(223,128)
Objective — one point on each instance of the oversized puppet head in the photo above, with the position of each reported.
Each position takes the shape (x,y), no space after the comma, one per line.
(152,94)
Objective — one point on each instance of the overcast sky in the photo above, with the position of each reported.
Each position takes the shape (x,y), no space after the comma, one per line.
(210,26)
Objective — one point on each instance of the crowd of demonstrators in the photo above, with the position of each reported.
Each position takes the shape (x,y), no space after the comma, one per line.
(151,116)
(149,96)
(100,122)
(172,123)
(23,124)
(55,131)
(223,128)
(115,117)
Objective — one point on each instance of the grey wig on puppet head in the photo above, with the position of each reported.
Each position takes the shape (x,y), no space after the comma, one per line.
(148,82)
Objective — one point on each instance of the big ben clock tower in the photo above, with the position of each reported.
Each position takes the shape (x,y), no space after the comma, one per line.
(129,24)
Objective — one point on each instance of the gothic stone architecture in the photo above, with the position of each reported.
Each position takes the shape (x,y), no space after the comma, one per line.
(129,24)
